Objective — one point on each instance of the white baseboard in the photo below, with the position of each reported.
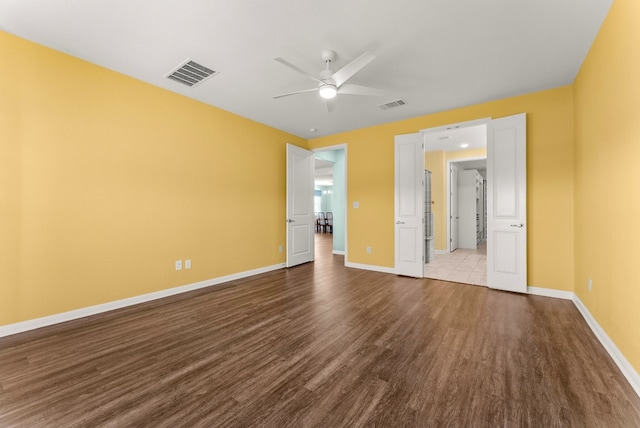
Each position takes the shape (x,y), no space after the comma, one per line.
(625,367)
(548,292)
(370,267)
(442,251)
(338,252)
(623,364)
(23,326)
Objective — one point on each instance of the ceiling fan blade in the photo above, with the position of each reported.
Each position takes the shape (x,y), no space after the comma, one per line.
(351,89)
(295,68)
(346,72)
(296,92)
(330,105)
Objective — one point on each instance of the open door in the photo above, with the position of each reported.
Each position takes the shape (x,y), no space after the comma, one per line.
(300,217)
(507,204)
(453,212)
(409,205)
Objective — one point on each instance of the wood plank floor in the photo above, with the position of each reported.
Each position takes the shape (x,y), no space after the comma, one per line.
(319,345)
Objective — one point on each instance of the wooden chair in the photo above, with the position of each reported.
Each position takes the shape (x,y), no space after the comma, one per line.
(321,222)
(329,222)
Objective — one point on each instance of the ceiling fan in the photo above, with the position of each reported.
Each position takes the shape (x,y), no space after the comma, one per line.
(332,83)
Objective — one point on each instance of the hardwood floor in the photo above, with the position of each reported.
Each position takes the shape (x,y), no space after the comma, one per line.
(319,345)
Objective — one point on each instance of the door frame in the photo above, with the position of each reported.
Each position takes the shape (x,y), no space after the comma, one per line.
(448,190)
(346,192)
(453,126)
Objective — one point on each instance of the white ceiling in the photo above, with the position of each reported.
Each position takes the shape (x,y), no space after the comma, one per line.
(433,54)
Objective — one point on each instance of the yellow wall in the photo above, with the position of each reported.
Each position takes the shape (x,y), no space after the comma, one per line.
(549,181)
(607,171)
(105,181)
(436,162)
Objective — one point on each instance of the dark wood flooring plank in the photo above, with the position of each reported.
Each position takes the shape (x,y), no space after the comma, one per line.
(319,345)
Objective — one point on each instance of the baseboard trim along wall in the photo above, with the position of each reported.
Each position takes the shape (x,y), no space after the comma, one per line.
(338,252)
(24,326)
(623,364)
(548,292)
(625,367)
(374,268)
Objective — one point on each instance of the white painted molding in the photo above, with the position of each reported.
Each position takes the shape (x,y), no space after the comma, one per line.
(458,125)
(442,251)
(23,326)
(625,367)
(371,267)
(338,252)
(548,292)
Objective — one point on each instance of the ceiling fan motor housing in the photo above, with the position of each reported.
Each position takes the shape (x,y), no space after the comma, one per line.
(328,55)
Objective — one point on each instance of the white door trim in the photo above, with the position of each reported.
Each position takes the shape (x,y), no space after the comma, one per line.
(459,125)
(346,192)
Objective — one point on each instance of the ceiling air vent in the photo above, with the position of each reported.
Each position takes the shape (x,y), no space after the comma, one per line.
(392,104)
(191,73)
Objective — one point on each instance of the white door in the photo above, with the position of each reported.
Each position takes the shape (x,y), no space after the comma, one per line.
(453,216)
(300,217)
(507,204)
(409,205)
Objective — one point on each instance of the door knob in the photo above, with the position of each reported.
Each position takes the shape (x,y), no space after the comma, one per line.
(290,221)
(517,225)
(399,222)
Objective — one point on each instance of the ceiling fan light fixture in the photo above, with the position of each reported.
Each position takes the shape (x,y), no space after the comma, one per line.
(327,90)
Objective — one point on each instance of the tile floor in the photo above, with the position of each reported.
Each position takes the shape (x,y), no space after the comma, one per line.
(461,265)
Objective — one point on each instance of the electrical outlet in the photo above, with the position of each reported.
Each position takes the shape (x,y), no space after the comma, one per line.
(368,250)
(280,248)
(178,264)
(589,284)
(187,264)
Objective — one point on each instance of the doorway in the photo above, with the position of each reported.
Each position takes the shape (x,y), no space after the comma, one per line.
(331,195)
(506,199)
(456,155)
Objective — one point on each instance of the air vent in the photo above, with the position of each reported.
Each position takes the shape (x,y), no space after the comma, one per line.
(392,104)
(191,73)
